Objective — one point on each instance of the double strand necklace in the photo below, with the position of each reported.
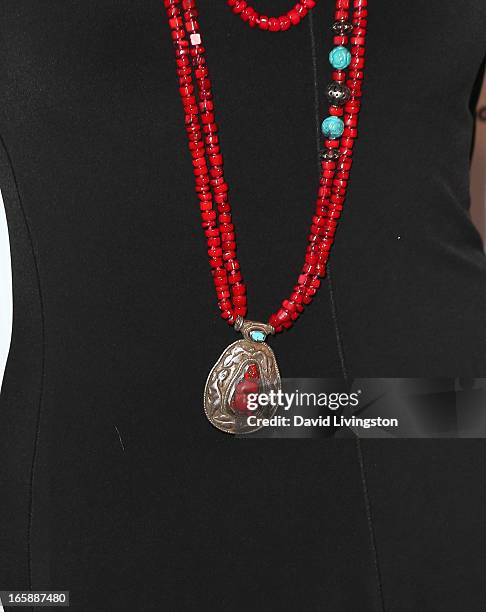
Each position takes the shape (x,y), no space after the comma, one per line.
(248,366)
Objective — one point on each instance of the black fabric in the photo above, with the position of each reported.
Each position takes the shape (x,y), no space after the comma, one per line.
(114,485)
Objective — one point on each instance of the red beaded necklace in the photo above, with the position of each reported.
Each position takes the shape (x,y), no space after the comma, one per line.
(249,365)
(273,24)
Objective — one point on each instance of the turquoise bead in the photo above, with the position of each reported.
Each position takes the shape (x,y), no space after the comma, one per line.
(257,336)
(340,58)
(332,127)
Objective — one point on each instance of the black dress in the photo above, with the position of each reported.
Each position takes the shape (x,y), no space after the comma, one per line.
(114,485)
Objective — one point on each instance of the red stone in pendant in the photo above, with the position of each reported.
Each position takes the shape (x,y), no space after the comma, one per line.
(249,384)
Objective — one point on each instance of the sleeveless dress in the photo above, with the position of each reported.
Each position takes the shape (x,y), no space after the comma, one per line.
(115,486)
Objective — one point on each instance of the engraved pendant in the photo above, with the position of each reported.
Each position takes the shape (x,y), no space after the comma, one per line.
(246,368)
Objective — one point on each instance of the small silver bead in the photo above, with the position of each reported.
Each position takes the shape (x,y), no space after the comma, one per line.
(331,154)
(342,27)
(337,93)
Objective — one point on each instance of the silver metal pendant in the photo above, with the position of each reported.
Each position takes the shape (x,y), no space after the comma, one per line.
(233,376)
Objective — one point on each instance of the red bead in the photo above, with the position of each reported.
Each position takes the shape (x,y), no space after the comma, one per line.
(220,281)
(340,40)
(239,6)
(239,289)
(283,316)
(330,144)
(336,111)
(222,293)
(294,16)
(273,24)
(234,277)
(263,22)
(232,265)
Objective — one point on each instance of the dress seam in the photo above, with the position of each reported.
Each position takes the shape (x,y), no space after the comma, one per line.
(340,348)
(42,365)
(369,518)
